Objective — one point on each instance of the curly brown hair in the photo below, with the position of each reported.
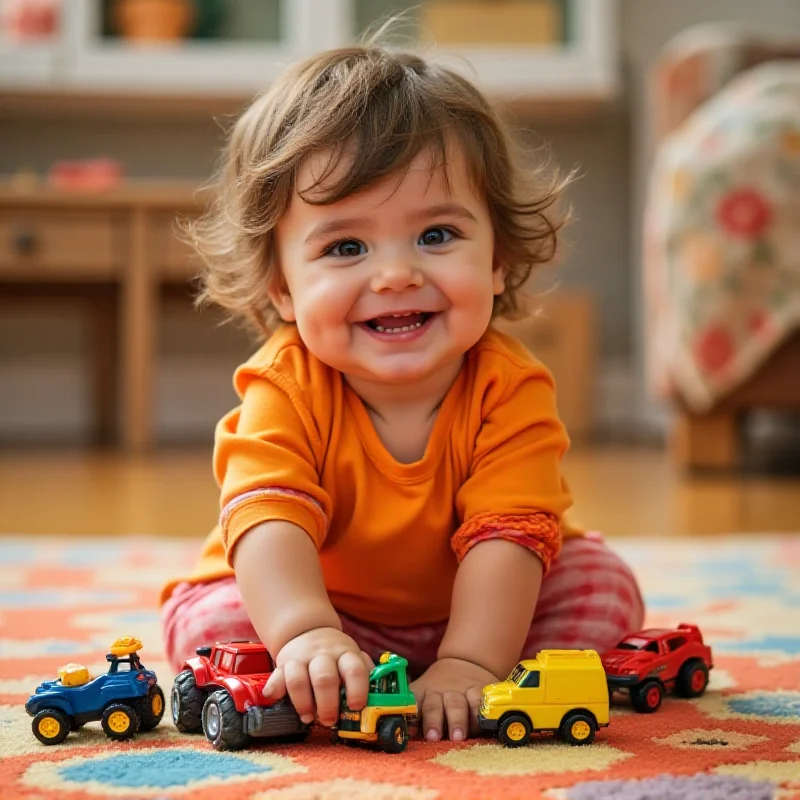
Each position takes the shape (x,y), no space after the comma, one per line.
(383,107)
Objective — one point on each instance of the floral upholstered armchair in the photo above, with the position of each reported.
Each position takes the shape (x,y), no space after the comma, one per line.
(722,237)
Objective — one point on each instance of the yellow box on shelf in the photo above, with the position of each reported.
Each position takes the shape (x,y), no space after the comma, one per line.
(492,22)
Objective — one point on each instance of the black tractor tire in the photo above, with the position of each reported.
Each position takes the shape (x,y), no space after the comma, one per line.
(152,709)
(692,679)
(222,723)
(50,726)
(187,703)
(647,696)
(113,715)
(393,734)
(578,729)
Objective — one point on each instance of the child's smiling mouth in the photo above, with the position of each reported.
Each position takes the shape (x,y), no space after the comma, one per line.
(401,326)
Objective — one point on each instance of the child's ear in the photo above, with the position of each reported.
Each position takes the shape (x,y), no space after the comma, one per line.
(278,293)
(498,277)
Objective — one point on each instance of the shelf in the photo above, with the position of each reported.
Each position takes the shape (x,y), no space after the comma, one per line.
(132,192)
(36,103)
(194,68)
(27,63)
(89,74)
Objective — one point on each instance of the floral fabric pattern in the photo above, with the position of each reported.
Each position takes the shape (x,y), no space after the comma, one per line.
(722,236)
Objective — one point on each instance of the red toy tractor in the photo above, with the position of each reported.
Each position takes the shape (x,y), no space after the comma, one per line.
(220,692)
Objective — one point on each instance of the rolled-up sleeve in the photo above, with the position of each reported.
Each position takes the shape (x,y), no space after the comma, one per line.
(515,489)
(265,460)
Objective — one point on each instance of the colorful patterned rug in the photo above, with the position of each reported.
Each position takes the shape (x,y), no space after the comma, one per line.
(66,600)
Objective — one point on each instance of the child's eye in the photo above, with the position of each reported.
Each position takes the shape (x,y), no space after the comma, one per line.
(434,236)
(346,248)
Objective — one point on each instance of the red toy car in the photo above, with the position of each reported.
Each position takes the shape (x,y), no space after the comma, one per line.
(220,692)
(652,662)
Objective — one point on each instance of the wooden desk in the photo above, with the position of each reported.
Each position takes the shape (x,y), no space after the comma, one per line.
(55,243)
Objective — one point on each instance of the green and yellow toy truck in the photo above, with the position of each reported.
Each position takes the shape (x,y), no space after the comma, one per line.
(390,710)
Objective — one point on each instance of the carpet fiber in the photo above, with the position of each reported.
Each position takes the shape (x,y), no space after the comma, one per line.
(67,599)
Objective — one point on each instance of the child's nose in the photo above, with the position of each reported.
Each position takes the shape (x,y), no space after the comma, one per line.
(397,275)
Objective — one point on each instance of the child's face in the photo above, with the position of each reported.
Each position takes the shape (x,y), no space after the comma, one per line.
(394,283)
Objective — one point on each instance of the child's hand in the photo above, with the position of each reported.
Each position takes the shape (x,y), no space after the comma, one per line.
(450,689)
(310,669)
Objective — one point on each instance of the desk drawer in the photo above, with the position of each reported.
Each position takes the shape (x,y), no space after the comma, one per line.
(63,245)
(173,259)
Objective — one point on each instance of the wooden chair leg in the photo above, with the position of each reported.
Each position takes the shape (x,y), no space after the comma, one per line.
(708,441)
(103,348)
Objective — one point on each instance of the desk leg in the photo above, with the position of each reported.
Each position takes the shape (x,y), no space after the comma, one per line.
(707,441)
(139,315)
(103,342)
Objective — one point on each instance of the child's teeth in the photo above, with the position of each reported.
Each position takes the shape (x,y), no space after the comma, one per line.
(405,328)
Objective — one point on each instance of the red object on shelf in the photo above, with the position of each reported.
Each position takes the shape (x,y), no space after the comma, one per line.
(95,174)
(29,20)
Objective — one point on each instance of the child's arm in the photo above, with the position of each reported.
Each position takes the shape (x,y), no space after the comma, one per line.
(494,597)
(278,573)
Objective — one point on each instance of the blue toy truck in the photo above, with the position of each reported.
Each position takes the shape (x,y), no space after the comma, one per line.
(125,700)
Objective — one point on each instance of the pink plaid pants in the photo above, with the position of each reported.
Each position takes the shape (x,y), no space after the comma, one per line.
(589,599)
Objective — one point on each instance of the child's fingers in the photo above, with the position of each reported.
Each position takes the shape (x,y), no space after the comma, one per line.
(324,675)
(355,675)
(368,661)
(276,685)
(432,716)
(474,695)
(298,687)
(457,712)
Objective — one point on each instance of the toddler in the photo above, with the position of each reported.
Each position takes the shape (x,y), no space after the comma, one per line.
(391,479)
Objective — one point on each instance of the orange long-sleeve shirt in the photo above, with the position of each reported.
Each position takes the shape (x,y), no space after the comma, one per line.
(301,447)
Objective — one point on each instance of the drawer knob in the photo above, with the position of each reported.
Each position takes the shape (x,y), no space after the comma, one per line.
(24,242)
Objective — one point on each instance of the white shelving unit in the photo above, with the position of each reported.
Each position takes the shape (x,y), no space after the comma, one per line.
(199,66)
(35,65)
(83,61)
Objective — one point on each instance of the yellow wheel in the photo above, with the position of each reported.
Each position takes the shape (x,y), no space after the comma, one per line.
(119,722)
(50,726)
(515,730)
(157,706)
(579,728)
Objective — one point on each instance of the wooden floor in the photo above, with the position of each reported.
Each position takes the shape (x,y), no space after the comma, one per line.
(621,491)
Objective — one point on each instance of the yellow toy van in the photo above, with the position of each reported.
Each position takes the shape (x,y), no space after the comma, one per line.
(560,691)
